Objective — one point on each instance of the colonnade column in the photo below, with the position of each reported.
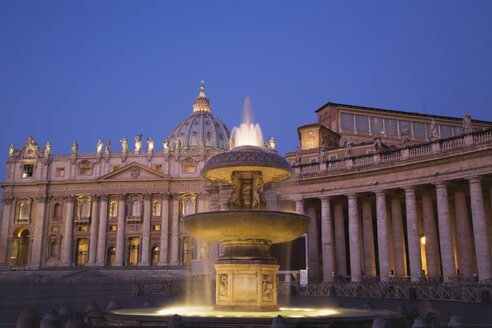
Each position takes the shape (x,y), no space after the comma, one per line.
(340,251)
(445,232)
(103,221)
(430,233)
(312,243)
(413,234)
(368,239)
(120,231)
(6,219)
(327,239)
(465,246)
(164,229)
(174,231)
(38,239)
(300,210)
(482,249)
(67,238)
(94,228)
(383,236)
(354,241)
(398,237)
(146,231)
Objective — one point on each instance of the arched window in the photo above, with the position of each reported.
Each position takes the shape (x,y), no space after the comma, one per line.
(85,209)
(136,208)
(189,207)
(156,208)
(113,209)
(24,211)
(155,254)
(57,211)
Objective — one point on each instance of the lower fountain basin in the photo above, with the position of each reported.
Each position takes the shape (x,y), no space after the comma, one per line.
(269,226)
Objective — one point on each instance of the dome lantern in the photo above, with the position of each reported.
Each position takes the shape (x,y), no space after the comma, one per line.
(201,102)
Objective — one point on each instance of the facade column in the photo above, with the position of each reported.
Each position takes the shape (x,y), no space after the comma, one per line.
(94,229)
(368,239)
(383,236)
(430,233)
(145,260)
(482,249)
(413,234)
(38,239)
(174,231)
(465,246)
(4,232)
(67,238)
(445,232)
(164,247)
(103,222)
(340,250)
(312,243)
(120,231)
(354,239)
(398,238)
(327,245)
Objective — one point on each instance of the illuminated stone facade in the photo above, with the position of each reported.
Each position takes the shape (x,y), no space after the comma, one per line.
(392,195)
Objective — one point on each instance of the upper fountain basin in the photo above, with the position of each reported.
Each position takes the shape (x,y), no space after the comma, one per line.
(247,158)
(270,226)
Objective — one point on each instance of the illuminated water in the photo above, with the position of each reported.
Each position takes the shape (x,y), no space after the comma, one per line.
(248,133)
(286,312)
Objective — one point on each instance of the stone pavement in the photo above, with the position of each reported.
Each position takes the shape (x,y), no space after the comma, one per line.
(45,290)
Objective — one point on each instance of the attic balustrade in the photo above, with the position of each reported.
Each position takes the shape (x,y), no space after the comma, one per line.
(414,151)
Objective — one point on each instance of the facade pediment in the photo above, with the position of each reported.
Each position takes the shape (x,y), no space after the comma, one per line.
(134,171)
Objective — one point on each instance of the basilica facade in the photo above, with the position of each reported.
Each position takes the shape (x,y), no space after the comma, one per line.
(391,195)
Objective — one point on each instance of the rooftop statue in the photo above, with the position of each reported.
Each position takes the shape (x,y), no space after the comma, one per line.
(348,147)
(434,133)
(138,142)
(47,148)
(11,150)
(165,144)
(467,123)
(124,145)
(177,144)
(378,144)
(404,137)
(202,143)
(108,145)
(272,143)
(150,144)
(99,146)
(298,155)
(75,147)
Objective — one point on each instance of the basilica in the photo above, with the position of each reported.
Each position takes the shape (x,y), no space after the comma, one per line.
(391,195)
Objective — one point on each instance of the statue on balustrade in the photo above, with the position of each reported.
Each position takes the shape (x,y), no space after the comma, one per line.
(348,147)
(150,144)
(108,146)
(378,144)
(404,137)
(165,144)
(433,130)
(138,142)
(75,147)
(124,145)
(11,150)
(467,124)
(47,148)
(99,146)
(298,155)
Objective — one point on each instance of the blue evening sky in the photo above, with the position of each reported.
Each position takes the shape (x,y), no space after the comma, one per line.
(89,70)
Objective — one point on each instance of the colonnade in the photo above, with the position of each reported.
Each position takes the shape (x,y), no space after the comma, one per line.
(410,232)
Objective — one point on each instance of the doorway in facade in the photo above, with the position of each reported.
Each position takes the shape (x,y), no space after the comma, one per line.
(82,251)
(155,255)
(188,248)
(134,248)
(110,256)
(20,248)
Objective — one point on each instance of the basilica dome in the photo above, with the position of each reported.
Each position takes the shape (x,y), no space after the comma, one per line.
(201,129)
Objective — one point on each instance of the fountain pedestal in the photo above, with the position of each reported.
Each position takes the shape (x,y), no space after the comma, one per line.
(246,287)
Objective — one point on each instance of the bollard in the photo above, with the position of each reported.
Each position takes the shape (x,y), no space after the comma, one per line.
(176,322)
(420,323)
(28,319)
(65,311)
(379,322)
(51,320)
(279,322)
(455,322)
(148,304)
(113,305)
(92,307)
(76,321)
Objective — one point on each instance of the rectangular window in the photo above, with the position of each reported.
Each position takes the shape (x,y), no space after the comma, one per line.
(85,170)
(390,127)
(313,160)
(458,130)
(376,125)
(82,228)
(27,170)
(333,157)
(418,130)
(362,123)
(406,125)
(347,122)
(114,168)
(189,168)
(156,227)
(446,131)
(60,172)
(158,167)
(112,228)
